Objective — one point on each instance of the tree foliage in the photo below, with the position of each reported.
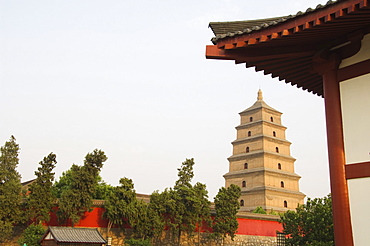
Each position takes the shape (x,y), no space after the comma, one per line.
(41,190)
(259,210)
(160,207)
(63,184)
(181,208)
(102,189)
(188,204)
(202,210)
(145,221)
(137,242)
(310,224)
(226,205)
(78,198)
(119,203)
(10,188)
(31,235)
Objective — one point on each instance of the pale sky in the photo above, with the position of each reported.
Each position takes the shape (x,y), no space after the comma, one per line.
(131,78)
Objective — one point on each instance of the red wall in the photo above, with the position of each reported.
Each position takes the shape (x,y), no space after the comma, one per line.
(258,227)
(91,219)
(246,226)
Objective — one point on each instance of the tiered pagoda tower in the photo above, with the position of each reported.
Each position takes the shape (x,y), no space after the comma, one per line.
(261,163)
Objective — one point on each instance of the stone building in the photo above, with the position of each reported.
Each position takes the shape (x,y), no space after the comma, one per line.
(261,163)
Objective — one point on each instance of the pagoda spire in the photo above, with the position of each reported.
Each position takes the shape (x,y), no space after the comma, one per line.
(259,95)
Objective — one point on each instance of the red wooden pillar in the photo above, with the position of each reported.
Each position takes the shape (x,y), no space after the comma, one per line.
(339,189)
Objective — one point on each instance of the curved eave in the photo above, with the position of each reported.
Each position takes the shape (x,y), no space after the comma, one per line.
(286,50)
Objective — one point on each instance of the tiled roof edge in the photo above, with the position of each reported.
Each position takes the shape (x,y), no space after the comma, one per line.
(271,23)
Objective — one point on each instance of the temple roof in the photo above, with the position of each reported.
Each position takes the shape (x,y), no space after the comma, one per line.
(74,235)
(286,47)
(232,28)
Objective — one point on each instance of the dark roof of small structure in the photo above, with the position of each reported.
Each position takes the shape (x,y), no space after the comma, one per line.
(285,47)
(75,235)
(28,182)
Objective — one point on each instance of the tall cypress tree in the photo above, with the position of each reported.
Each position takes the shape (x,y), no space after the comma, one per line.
(184,218)
(41,190)
(78,198)
(119,204)
(10,188)
(201,208)
(189,205)
(227,206)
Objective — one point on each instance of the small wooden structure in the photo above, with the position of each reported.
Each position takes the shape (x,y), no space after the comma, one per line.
(70,236)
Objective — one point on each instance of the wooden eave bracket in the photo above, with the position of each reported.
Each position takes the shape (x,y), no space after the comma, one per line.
(213,52)
(331,57)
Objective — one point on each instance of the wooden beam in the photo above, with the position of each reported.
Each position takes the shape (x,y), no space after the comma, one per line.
(358,170)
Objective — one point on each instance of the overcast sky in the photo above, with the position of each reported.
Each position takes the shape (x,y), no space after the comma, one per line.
(131,78)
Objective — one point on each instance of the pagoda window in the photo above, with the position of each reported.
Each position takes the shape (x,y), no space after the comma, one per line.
(244,184)
(250,119)
(274,133)
(285,204)
(279,166)
(277,149)
(249,133)
(245,165)
(247,150)
(282,184)
(241,203)
(272,119)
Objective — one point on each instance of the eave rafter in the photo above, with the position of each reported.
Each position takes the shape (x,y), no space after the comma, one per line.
(259,54)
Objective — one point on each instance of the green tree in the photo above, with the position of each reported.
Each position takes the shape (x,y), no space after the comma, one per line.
(259,210)
(102,189)
(78,198)
(184,195)
(310,224)
(10,188)
(187,205)
(31,235)
(145,222)
(202,210)
(160,204)
(118,205)
(63,184)
(227,206)
(41,190)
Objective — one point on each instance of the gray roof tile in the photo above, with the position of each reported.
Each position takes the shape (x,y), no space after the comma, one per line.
(76,235)
(232,28)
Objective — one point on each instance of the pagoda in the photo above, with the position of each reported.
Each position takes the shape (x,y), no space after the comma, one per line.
(261,164)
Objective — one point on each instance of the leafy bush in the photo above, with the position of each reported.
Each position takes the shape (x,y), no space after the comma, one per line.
(310,224)
(32,235)
(259,210)
(137,242)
